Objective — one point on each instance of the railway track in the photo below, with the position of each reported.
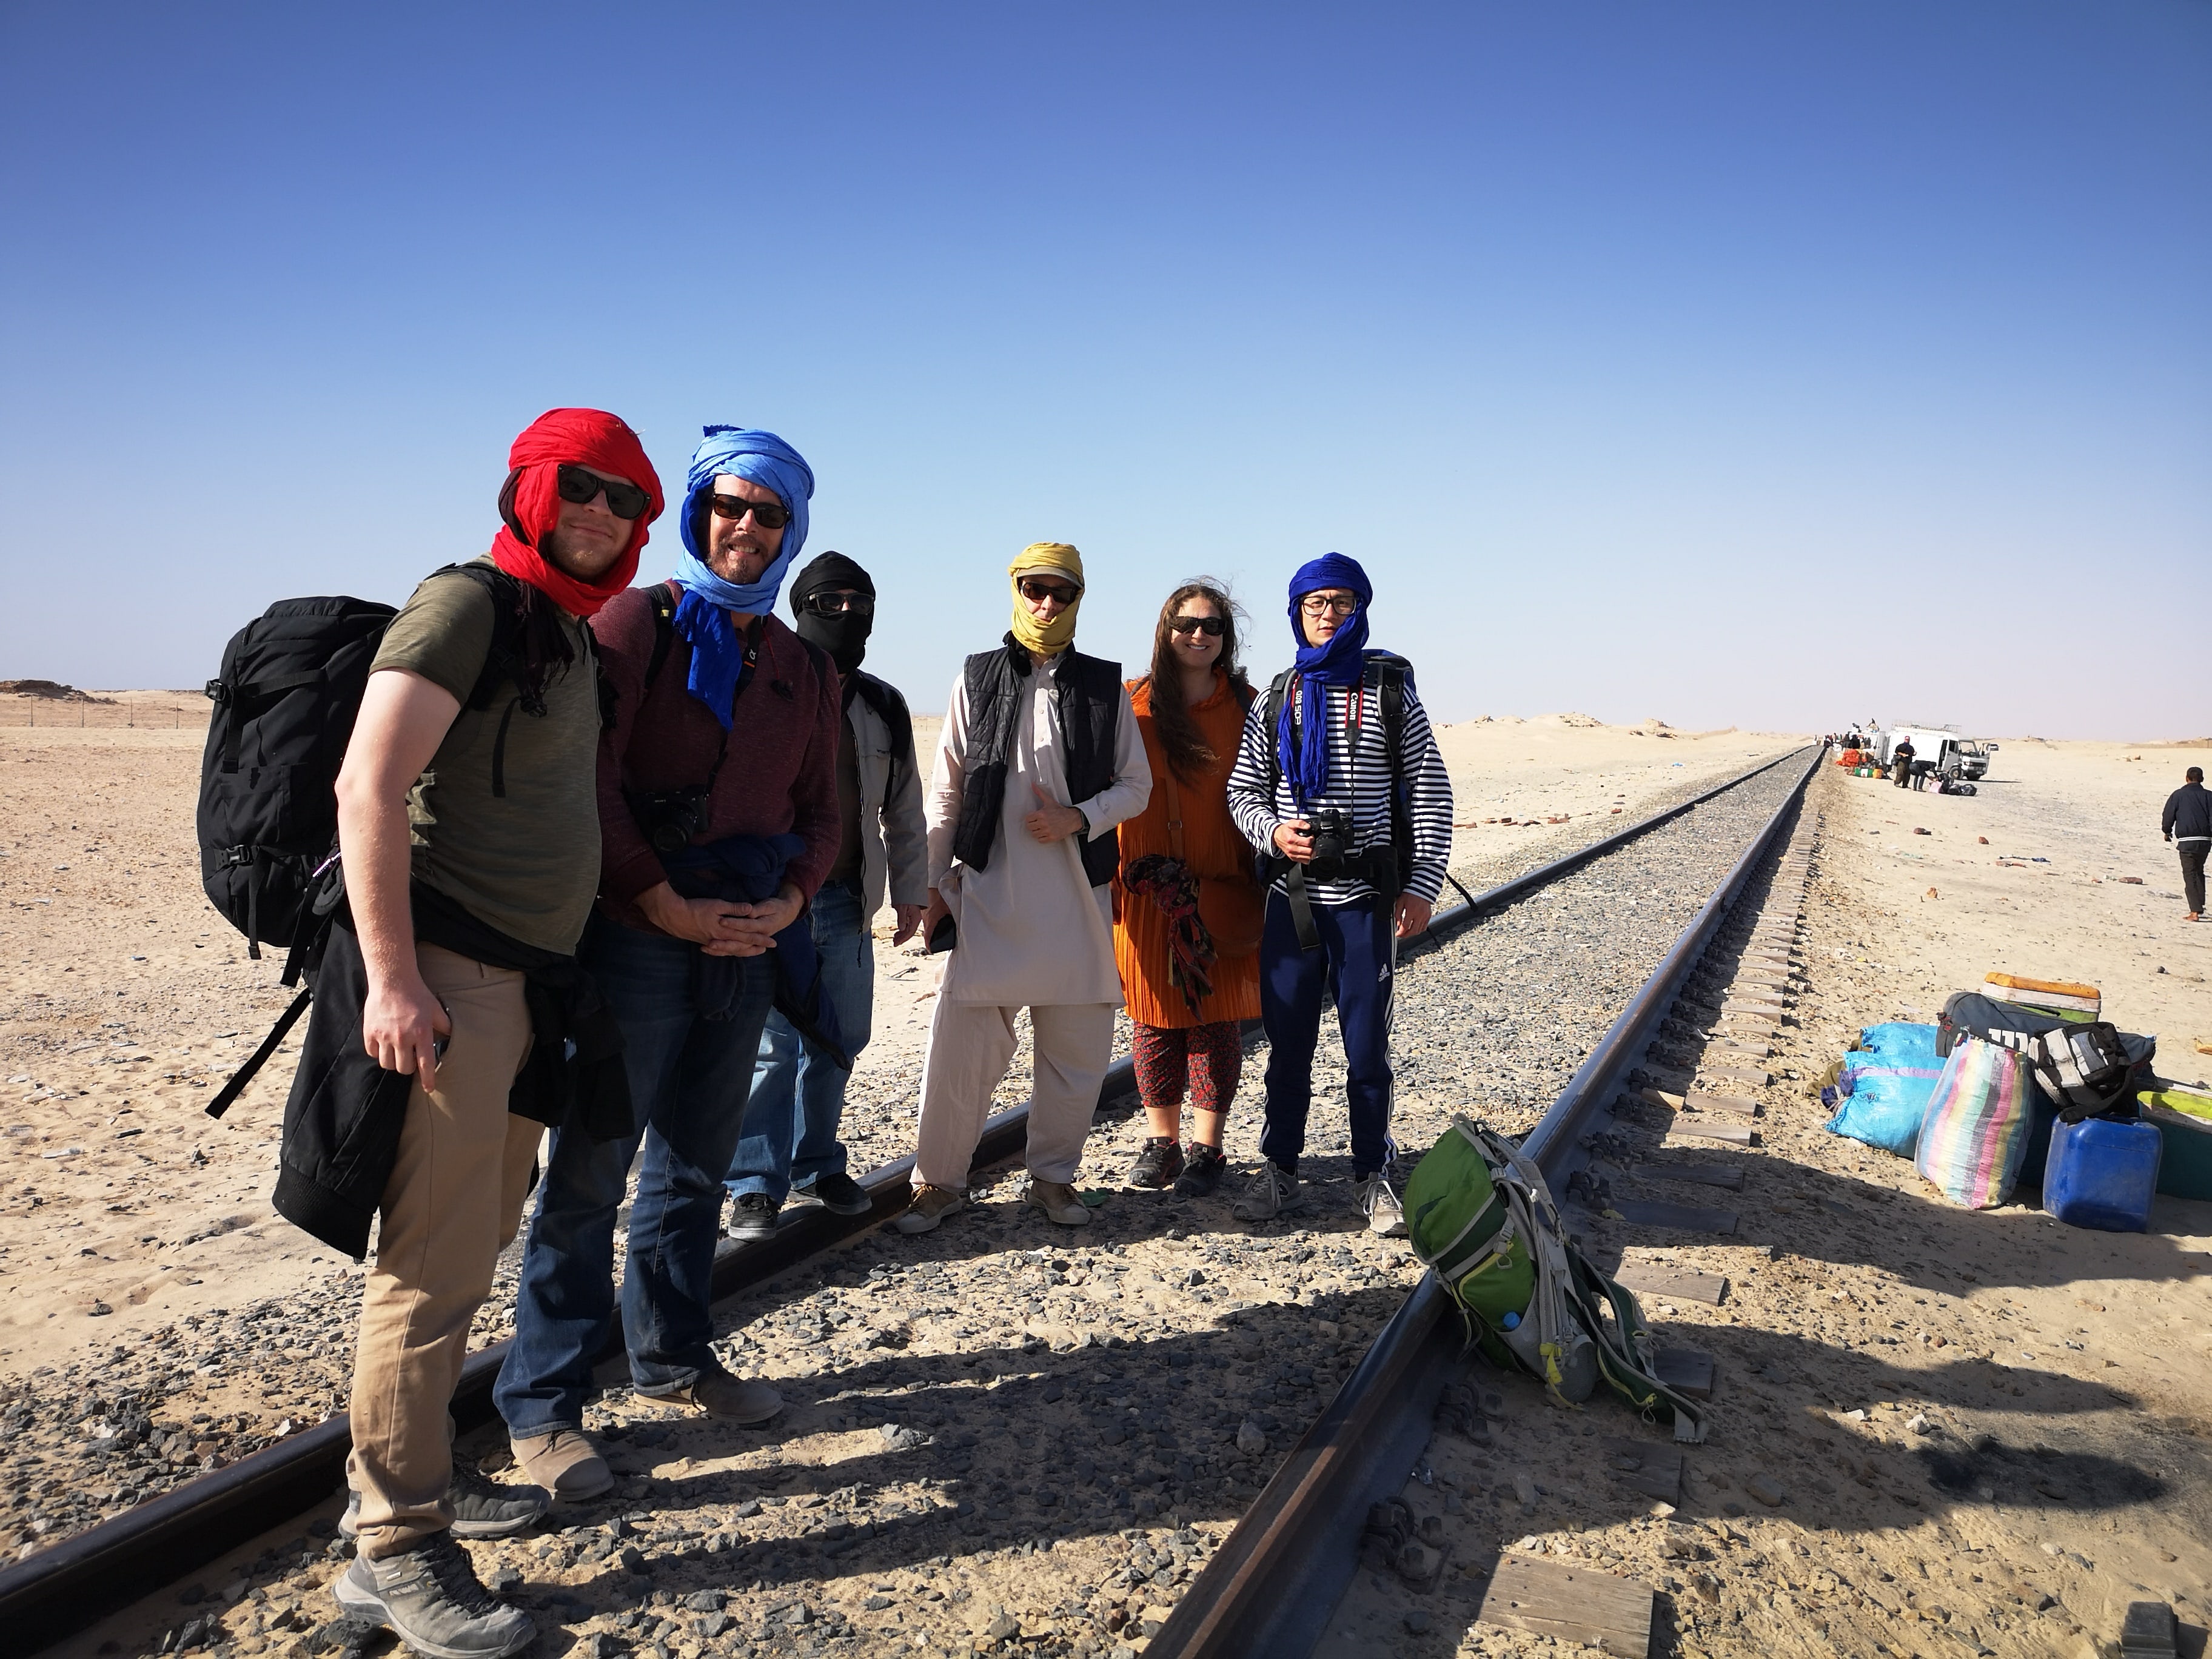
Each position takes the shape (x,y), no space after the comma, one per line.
(1374,1424)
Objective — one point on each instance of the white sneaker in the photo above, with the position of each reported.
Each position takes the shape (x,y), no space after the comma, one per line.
(1269,1193)
(1385,1215)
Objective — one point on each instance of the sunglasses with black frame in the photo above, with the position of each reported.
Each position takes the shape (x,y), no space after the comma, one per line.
(580,484)
(769,515)
(1211,627)
(838,601)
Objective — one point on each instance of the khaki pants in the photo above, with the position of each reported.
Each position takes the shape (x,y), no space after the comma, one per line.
(452,1204)
(970,1044)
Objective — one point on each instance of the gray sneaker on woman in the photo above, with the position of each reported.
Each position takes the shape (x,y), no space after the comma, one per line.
(428,1596)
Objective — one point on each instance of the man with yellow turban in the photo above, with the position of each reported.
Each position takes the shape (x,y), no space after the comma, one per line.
(1040,758)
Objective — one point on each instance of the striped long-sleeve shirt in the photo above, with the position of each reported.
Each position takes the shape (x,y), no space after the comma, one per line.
(1359,783)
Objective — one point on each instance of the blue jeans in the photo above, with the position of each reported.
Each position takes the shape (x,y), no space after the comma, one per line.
(790,1132)
(687,1077)
(1355,962)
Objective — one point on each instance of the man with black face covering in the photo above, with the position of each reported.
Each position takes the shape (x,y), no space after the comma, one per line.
(789,1140)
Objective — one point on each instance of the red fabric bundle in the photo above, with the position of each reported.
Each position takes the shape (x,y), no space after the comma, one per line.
(577,437)
(1191,954)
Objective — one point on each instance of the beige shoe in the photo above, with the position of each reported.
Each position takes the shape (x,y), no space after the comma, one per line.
(931,1204)
(719,1394)
(564,1462)
(1059,1202)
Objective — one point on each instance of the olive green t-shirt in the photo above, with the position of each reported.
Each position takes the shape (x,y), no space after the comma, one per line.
(524,857)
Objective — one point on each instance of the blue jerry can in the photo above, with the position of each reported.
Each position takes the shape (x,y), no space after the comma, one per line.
(2102,1174)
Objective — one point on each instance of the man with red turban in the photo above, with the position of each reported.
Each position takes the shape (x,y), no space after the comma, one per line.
(469,832)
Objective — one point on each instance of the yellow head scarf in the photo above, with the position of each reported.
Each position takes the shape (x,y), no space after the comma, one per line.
(1061,560)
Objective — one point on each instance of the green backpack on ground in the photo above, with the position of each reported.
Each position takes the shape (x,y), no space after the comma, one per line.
(1479,1213)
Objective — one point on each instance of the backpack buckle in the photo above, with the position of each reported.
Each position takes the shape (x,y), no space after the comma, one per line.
(237,856)
(218,692)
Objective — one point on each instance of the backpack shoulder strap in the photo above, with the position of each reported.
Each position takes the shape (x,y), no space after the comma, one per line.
(1387,673)
(1277,689)
(504,659)
(891,709)
(664,629)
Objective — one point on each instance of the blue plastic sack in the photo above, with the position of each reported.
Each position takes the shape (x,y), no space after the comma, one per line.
(1885,1086)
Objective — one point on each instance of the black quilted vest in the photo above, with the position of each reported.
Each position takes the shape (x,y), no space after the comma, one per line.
(1088,705)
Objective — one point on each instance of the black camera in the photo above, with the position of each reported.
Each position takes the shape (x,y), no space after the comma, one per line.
(670,817)
(1329,828)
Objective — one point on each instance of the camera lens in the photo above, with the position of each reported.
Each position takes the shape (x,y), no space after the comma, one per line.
(670,838)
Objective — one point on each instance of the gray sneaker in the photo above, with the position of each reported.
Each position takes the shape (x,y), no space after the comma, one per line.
(1270,1192)
(1378,1201)
(428,1596)
(480,1509)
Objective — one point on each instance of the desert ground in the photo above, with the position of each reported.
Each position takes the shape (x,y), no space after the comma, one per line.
(136,1243)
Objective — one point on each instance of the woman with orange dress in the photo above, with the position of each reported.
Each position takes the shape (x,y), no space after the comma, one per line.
(1188,910)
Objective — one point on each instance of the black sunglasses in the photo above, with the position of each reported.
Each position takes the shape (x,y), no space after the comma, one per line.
(1037,591)
(838,603)
(769,515)
(1211,627)
(625,500)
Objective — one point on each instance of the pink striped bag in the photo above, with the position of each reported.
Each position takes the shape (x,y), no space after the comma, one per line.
(1973,1134)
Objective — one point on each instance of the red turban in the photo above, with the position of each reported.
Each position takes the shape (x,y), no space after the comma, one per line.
(531,503)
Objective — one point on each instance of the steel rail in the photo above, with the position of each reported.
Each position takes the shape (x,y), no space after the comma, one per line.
(1272,1588)
(81,1579)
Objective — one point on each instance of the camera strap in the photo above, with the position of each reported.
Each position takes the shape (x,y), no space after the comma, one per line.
(1302,915)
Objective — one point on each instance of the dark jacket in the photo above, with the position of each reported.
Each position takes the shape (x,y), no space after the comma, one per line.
(1088,705)
(343,1121)
(2188,815)
(748,870)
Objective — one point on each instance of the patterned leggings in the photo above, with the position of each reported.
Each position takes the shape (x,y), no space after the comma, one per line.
(1210,1056)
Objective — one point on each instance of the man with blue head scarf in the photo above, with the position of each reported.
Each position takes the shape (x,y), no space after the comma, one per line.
(1338,780)
(718,822)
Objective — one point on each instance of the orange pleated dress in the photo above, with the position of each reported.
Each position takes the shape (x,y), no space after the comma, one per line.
(1211,846)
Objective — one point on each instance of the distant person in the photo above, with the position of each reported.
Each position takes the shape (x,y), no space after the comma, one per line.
(2187,822)
(1352,871)
(1901,763)
(1184,861)
(1039,760)
(789,1141)
(718,811)
(470,845)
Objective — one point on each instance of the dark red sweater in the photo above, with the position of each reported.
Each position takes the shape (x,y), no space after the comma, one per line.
(782,774)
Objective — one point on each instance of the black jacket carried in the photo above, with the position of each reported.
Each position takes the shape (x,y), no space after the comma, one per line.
(1088,703)
(2188,815)
(343,1121)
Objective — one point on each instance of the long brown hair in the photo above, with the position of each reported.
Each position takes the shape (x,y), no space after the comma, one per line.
(1187,751)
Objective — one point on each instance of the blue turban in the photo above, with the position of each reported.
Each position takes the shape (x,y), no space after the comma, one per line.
(703,614)
(1303,752)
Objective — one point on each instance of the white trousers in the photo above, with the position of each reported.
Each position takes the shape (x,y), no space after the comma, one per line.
(970,1044)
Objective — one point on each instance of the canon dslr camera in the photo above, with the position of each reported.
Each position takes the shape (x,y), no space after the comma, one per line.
(1330,831)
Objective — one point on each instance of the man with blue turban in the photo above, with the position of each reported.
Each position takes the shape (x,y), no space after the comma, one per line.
(1338,780)
(718,820)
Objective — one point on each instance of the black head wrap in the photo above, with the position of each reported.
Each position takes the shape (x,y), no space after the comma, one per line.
(845,636)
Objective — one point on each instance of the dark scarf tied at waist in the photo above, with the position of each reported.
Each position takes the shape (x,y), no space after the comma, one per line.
(344,1116)
(748,870)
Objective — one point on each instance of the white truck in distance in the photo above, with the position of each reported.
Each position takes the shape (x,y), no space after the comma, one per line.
(1954,757)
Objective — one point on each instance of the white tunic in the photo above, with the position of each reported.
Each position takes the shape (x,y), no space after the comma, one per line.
(1032,930)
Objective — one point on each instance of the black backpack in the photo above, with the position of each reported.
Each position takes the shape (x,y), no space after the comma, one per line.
(291,685)
(1387,672)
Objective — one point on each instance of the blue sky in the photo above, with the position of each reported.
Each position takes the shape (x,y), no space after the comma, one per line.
(1732,364)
